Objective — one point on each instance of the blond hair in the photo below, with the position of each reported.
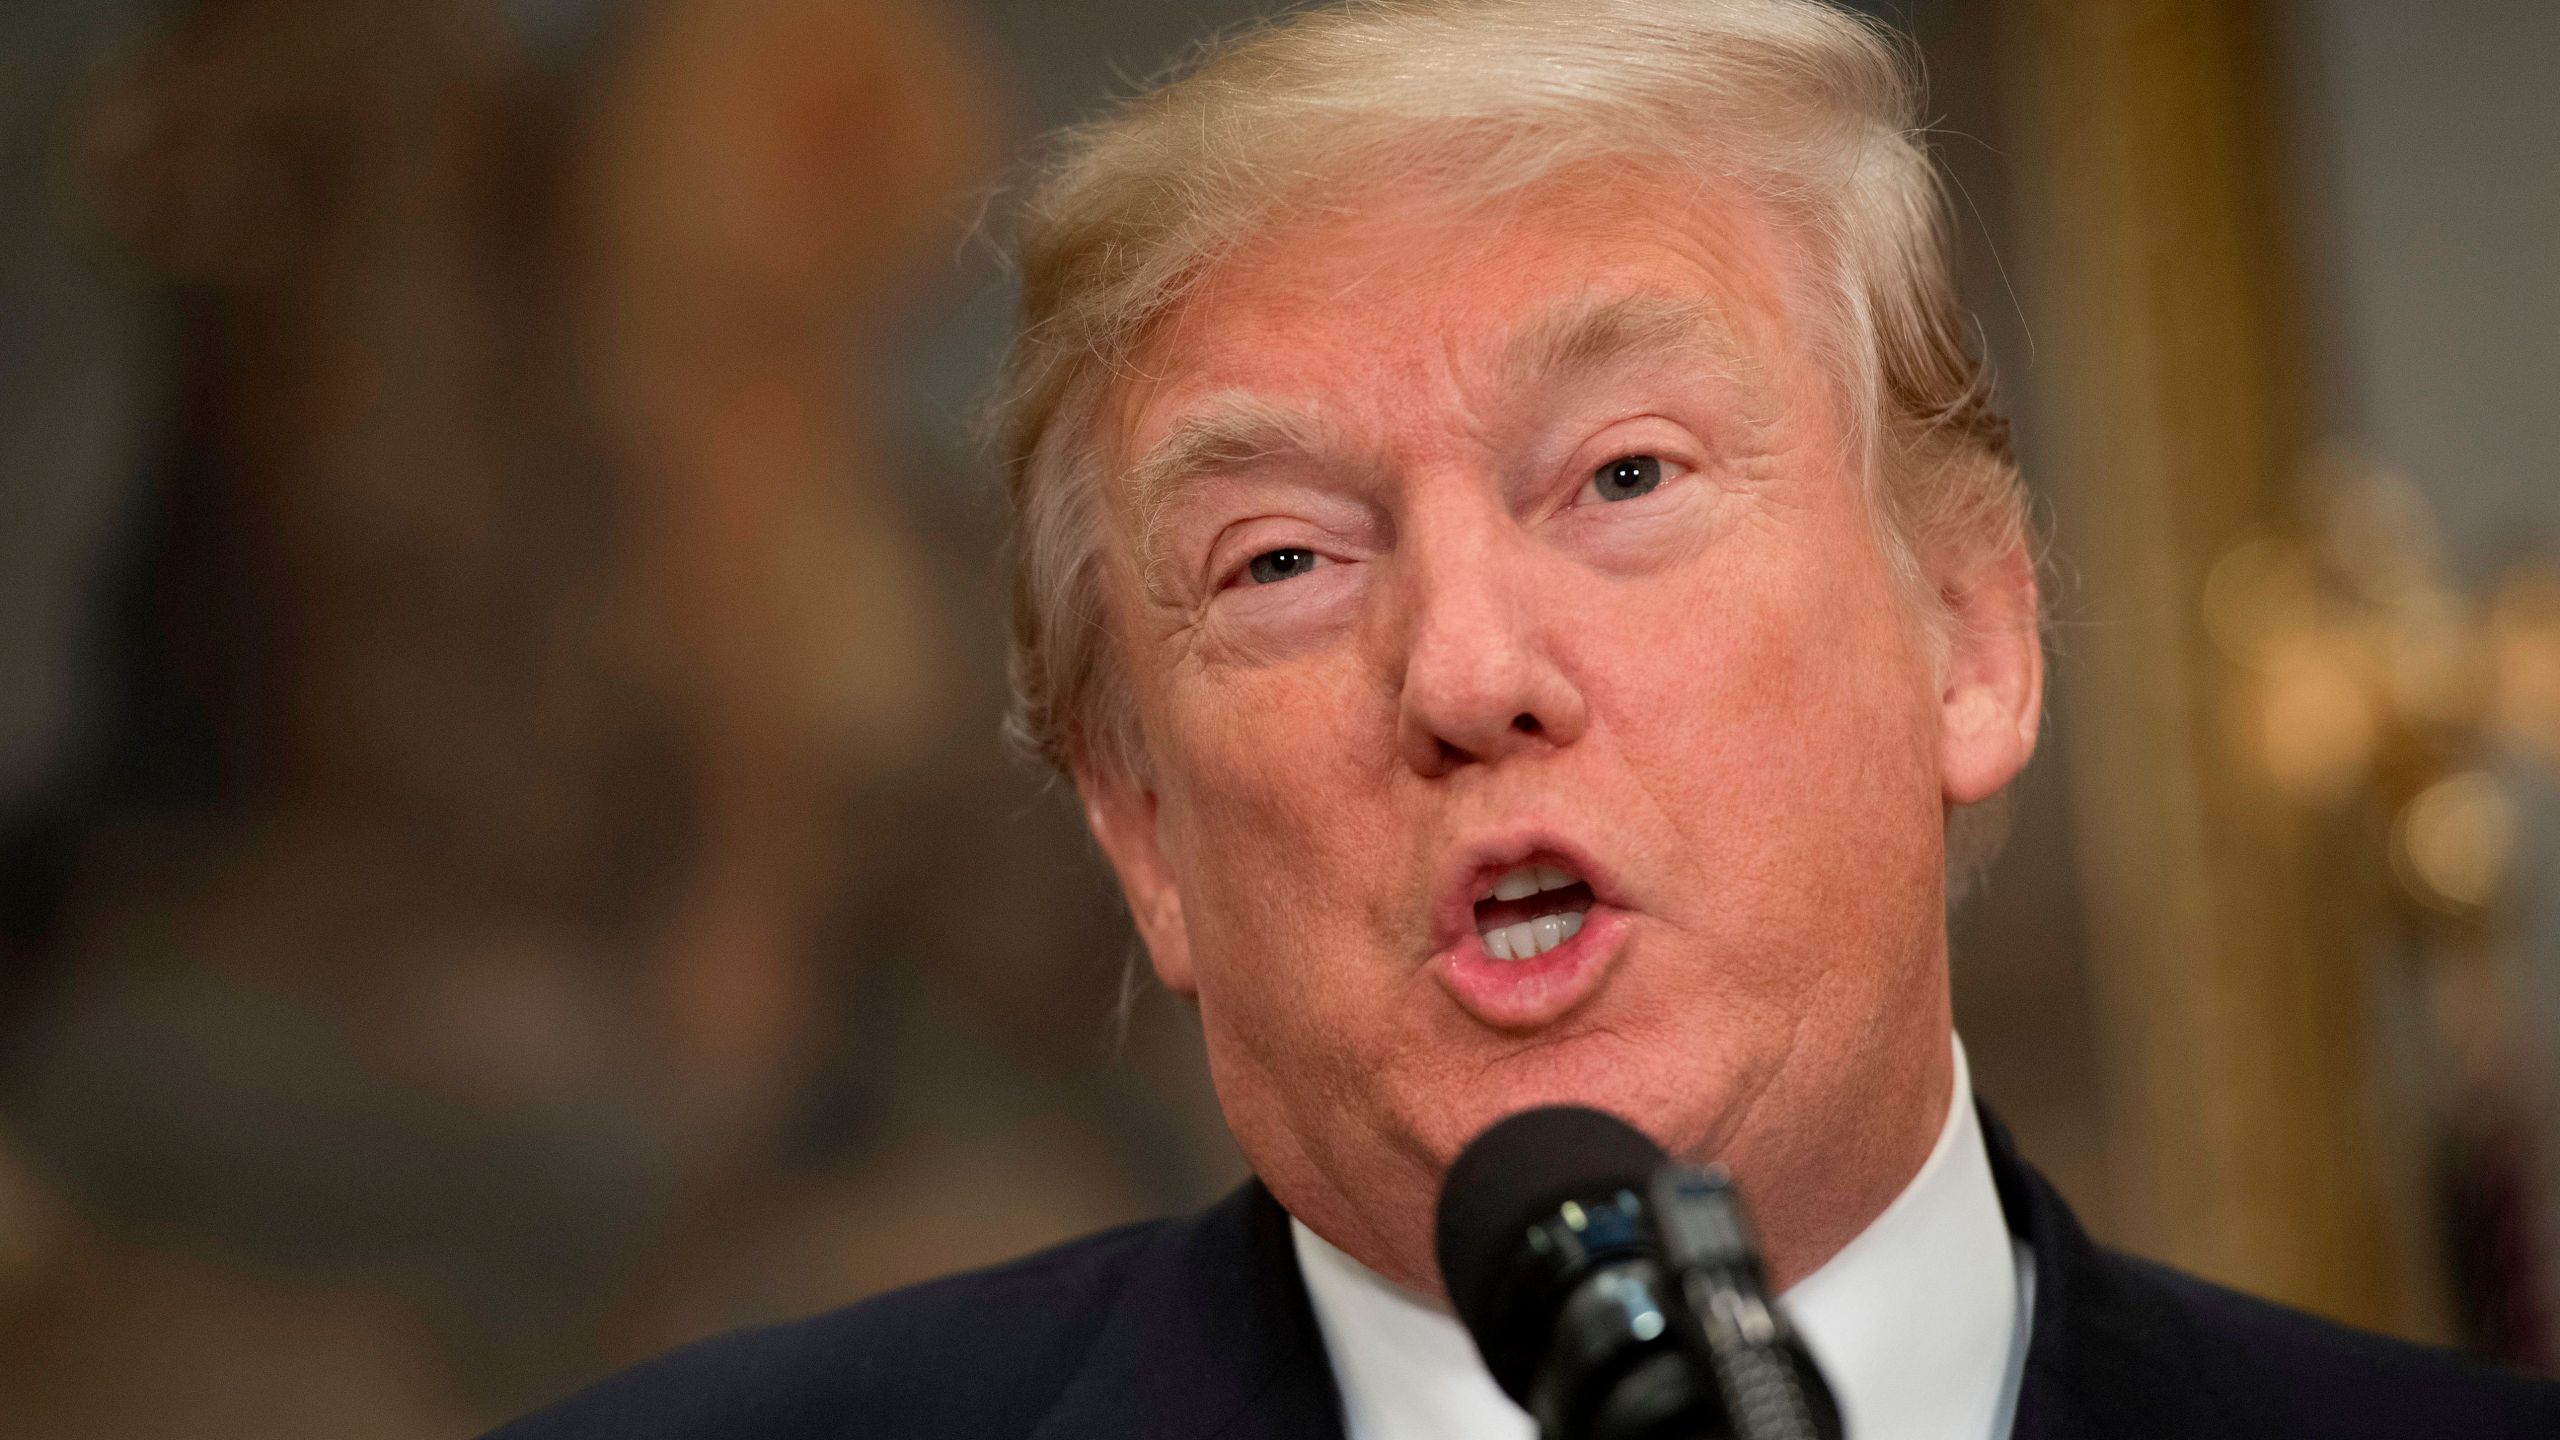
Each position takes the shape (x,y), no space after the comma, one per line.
(1809,111)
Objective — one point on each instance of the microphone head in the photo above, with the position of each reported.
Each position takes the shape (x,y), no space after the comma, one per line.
(1506,1285)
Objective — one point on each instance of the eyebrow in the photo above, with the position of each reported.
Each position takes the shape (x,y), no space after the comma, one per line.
(1594,332)
(1220,435)
(1233,431)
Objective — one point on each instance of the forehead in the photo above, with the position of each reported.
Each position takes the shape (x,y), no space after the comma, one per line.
(1384,316)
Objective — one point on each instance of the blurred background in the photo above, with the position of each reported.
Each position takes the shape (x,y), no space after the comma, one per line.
(505,859)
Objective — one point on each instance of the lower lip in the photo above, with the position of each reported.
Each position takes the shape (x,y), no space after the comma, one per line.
(1539,991)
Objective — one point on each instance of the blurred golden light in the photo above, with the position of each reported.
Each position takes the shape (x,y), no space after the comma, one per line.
(2379,534)
(2524,638)
(2262,589)
(2452,843)
(2362,665)
(2318,717)
(2433,657)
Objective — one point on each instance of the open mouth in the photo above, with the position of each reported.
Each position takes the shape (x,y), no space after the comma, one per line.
(1530,910)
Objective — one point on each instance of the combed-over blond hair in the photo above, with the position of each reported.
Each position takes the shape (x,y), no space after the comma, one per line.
(1809,111)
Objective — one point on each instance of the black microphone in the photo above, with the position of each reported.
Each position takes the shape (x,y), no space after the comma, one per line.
(1771,1387)
(1573,1249)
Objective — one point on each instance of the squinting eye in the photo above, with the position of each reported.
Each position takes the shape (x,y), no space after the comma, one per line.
(1272,566)
(1627,477)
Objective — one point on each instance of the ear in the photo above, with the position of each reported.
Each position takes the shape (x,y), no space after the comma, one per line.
(1122,815)
(1991,700)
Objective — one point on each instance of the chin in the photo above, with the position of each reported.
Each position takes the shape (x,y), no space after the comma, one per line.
(1683,1107)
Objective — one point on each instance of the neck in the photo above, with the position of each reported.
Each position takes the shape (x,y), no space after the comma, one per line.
(1817,1188)
(1812,1189)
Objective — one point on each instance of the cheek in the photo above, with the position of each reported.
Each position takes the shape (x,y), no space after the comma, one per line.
(1294,880)
(1276,830)
(1777,711)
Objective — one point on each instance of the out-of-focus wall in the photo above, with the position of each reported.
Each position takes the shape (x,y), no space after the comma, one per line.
(508,862)
(2429,217)
(2430,208)
(82,373)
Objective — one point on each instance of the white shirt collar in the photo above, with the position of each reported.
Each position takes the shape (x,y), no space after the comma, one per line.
(1916,1322)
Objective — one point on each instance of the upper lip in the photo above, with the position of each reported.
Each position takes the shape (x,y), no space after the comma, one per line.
(1473,867)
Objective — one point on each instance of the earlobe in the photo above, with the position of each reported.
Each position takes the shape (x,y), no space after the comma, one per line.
(1122,816)
(1992,700)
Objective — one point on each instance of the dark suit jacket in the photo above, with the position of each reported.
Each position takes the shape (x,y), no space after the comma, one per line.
(1198,1328)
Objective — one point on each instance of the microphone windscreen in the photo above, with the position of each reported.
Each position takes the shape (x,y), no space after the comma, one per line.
(1510,1177)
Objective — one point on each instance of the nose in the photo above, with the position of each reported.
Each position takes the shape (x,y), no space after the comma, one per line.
(1480,683)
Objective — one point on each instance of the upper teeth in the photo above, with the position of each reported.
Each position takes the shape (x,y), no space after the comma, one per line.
(1524,938)
(1526,881)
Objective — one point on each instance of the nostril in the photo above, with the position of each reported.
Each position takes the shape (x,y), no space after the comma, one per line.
(1525,723)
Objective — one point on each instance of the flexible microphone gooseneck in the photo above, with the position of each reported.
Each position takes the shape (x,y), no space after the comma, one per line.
(1617,1295)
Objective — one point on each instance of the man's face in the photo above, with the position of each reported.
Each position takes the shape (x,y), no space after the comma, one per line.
(1457,556)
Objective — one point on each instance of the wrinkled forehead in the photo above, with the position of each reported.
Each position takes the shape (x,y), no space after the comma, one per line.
(1378,311)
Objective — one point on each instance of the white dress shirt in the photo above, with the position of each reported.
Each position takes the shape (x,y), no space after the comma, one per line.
(1917,1322)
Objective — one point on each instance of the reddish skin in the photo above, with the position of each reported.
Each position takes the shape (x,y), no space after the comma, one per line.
(1742,738)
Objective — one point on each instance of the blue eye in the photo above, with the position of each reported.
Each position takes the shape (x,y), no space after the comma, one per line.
(1272,566)
(1627,477)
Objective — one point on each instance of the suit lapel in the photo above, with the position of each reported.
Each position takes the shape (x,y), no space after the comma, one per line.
(2108,1356)
(2047,1407)
(1212,1338)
